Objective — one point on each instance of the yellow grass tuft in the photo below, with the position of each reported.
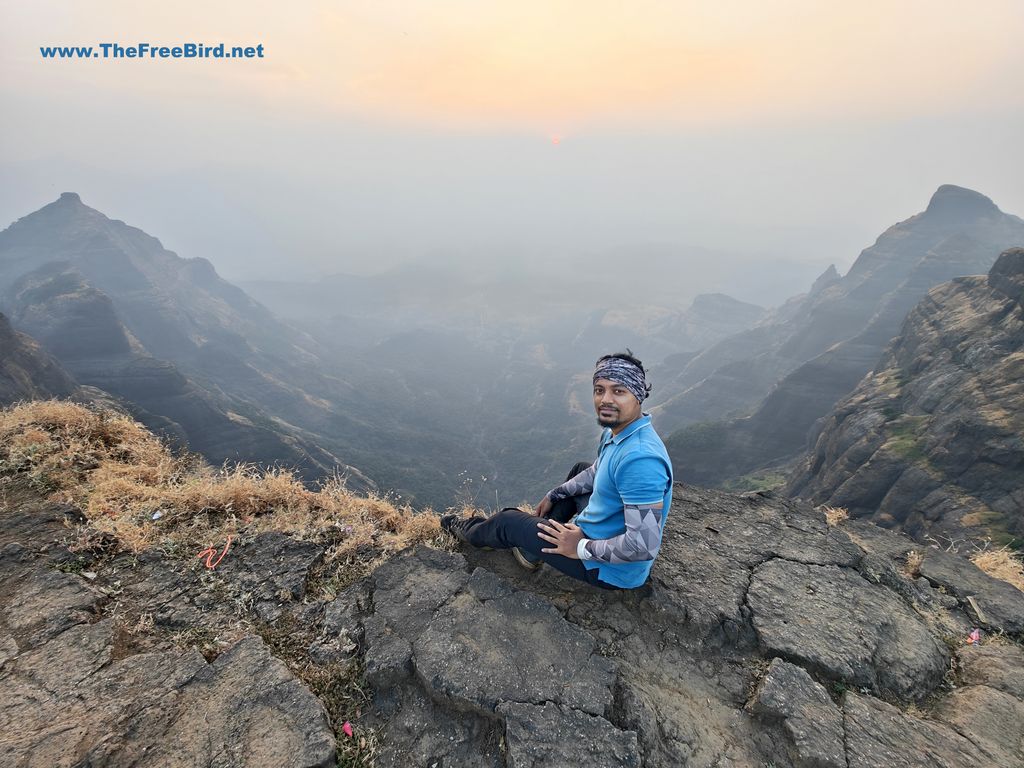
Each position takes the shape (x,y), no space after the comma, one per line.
(56,444)
(131,486)
(912,565)
(835,515)
(1003,564)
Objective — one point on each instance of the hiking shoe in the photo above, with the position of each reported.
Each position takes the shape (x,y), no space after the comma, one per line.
(458,526)
(525,559)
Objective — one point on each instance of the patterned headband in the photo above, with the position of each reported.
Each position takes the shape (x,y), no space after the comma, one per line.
(625,373)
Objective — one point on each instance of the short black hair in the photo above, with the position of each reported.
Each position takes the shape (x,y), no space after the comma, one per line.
(629,358)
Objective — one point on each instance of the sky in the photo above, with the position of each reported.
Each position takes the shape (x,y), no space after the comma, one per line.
(515,134)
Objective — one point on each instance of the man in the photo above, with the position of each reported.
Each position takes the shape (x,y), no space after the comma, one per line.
(624,495)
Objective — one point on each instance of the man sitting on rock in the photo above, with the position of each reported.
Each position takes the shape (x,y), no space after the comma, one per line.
(604,524)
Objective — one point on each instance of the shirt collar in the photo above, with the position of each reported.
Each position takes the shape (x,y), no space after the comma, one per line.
(643,421)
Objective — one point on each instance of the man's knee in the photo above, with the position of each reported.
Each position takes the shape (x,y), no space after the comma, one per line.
(578,467)
(512,514)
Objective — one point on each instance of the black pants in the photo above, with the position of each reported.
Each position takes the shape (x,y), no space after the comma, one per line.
(515,528)
(565,509)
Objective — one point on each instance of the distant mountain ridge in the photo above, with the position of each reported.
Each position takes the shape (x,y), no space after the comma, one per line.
(205,364)
(208,366)
(434,298)
(827,341)
(932,441)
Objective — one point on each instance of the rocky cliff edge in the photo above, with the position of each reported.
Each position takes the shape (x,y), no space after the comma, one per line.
(766,636)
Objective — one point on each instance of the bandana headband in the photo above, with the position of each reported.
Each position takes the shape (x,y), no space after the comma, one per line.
(625,373)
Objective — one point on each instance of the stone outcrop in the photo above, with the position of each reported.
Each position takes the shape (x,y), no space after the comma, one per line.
(764,636)
(812,722)
(930,441)
(72,694)
(441,637)
(741,579)
(833,622)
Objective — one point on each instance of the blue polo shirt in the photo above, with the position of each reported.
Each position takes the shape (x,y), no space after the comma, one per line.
(632,468)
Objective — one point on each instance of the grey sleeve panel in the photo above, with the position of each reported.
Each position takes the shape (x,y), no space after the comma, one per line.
(576,486)
(640,542)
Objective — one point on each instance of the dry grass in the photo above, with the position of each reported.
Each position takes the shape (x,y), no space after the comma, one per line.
(912,564)
(131,486)
(835,515)
(57,444)
(1002,563)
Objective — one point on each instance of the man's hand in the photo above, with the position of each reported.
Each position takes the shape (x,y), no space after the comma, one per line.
(564,537)
(544,508)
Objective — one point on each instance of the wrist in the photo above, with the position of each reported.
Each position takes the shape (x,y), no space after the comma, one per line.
(581,550)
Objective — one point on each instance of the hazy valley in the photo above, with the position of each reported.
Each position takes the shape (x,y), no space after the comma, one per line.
(448,386)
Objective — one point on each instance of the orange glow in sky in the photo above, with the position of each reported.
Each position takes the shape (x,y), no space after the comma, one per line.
(524,65)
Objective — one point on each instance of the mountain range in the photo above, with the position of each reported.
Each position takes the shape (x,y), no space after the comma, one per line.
(414,382)
(204,365)
(747,405)
(401,383)
(333,629)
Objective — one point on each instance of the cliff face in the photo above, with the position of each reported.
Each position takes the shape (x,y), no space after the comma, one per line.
(826,344)
(931,440)
(26,372)
(82,326)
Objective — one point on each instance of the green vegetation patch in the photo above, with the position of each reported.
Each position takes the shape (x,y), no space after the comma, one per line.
(904,438)
(756,481)
(703,437)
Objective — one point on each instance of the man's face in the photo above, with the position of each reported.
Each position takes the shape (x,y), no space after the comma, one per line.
(615,405)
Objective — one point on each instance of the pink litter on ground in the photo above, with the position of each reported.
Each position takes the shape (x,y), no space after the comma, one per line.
(209,552)
(347,728)
(974,637)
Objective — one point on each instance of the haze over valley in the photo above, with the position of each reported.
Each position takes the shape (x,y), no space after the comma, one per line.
(448,386)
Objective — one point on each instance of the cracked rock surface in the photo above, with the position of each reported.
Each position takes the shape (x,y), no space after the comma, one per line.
(74,691)
(67,697)
(813,723)
(836,623)
(764,637)
(536,736)
(473,644)
(515,648)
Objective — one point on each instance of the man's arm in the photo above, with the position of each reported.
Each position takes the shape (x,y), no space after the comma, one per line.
(575,486)
(641,483)
(640,542)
